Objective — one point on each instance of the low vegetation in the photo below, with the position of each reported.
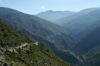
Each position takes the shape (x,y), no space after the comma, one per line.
(10,37)
(32,55)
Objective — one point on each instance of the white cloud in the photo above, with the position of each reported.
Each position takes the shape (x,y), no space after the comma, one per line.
(42,7)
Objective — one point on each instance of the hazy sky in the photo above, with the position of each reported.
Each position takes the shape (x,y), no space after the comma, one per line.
(36,6)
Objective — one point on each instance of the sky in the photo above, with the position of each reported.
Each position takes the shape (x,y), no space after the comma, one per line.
(37,6)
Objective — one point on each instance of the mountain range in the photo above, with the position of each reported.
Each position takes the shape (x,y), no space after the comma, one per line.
(54,15)
(80,23)
(85,25)
(74,37)
(54,37)
(67,19)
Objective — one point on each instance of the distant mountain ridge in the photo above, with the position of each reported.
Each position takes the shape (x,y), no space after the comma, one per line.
(54,15)
(79,23)
(67,19)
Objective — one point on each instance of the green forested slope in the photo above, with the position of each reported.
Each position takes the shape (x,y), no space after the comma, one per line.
(8,36)
(54,47)
(19,50)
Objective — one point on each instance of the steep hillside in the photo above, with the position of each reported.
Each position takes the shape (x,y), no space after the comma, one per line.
(54,15)
(19,50)
(92,61)
(10,37)
(88,49)
(92,57)
(88,29)
(88,42)
(63,21)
